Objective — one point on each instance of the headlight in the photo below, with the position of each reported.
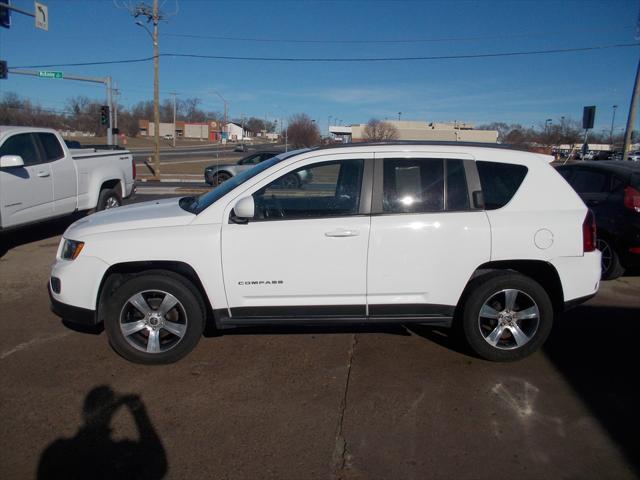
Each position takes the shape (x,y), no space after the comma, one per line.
(71,249)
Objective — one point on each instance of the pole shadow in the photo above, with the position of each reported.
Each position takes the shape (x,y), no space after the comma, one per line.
(92,453)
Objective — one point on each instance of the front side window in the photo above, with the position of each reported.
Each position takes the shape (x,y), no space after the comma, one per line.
(251,160)
(318,190)
(51,146)
(413,185)
(500,182)
(23,145)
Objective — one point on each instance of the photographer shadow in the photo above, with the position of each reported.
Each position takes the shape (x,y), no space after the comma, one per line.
(92,453)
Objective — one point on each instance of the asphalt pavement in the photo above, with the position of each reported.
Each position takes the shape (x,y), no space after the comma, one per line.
(293,403)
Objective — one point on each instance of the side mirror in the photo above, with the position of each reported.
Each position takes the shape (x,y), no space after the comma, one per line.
(244,209)
(8,161)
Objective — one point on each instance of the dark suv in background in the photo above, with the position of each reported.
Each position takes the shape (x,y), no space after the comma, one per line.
(612,190)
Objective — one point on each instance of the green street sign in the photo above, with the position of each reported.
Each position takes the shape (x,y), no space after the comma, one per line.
(45,74)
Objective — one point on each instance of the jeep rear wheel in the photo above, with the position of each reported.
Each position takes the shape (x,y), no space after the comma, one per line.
(506,316)
(153,318)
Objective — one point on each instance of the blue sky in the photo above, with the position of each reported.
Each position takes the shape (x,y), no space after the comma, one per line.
(525,89)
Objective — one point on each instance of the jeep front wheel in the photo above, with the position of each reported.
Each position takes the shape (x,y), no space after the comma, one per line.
(154,319)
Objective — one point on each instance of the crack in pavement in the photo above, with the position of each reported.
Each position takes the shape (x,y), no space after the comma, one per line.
(340,447)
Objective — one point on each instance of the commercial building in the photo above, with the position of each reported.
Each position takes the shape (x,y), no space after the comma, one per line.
(416,130)
(196,130)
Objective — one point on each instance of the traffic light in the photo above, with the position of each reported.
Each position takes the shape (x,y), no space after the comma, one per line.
(104,115)
(5,14)
(4,70)
(588,117)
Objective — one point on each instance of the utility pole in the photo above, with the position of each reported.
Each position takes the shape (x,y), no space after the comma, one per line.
(156,93)
(174,119)
(632,115)
(153,15)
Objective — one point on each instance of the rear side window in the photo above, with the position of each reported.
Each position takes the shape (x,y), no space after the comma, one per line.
(500,182)
(413,185)
(589,181)
(51,146)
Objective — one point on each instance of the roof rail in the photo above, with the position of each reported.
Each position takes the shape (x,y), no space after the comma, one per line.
(420,142)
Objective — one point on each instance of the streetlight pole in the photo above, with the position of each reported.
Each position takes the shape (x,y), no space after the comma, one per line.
(174,119)
(613,119)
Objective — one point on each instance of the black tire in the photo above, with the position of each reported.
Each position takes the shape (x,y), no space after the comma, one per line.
(190,308)
(490,287)
(291,181)
(108,198)
(611,266)
(220,177)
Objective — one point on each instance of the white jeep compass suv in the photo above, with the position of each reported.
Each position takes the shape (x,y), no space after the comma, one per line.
(480,237)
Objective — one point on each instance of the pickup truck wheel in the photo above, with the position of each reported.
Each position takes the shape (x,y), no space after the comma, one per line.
(154,319)
(108,198)
(506,316)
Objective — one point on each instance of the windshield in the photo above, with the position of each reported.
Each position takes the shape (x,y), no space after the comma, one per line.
(198,204)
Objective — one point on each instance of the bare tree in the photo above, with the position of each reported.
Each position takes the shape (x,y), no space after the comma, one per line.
(380,131)
(302,131)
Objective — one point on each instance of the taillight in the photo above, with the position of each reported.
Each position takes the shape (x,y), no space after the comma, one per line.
(632,199)
(589,232)
(133,168)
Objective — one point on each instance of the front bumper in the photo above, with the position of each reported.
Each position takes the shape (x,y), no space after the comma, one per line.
(70,313)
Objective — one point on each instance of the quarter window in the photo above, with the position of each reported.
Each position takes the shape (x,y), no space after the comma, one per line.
(319,190)
(413,185)
(500,182)
(22,144)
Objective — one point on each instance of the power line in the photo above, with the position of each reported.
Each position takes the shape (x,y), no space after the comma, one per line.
(341,60)
(375,42)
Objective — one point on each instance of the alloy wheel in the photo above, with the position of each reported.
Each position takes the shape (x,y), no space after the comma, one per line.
(153,321)
(508,319)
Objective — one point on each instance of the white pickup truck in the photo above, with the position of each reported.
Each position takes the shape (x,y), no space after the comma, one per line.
(40,178)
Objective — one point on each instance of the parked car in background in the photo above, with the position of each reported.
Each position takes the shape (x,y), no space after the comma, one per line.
(603,156)
(41,178)
(612,190)
(241,147)
(216,174)
(484,238)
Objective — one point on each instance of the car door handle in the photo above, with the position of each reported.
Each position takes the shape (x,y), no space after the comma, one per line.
(43,173)
(342,233)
